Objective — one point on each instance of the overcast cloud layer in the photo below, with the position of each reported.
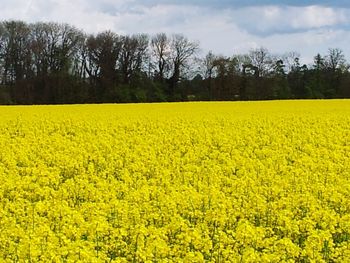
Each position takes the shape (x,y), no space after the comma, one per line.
(226,27)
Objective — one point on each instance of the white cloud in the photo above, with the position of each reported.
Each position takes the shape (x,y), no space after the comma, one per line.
(317,16)
(281,19)
(307,29)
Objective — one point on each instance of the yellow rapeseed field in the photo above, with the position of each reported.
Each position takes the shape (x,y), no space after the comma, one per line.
(176,182)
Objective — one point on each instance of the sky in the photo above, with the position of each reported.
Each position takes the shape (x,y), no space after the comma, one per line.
(225,27)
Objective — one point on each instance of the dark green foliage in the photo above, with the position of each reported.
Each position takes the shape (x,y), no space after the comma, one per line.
(50,63)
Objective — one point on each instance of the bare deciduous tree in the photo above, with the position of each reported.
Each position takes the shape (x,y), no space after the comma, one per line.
(182,50)
(261,60)
(335,59)
(160,45)
(133,55)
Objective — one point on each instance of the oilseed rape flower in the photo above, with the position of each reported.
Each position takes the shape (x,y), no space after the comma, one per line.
(176,182)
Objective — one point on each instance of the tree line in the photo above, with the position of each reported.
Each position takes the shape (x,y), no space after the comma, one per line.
(52,63)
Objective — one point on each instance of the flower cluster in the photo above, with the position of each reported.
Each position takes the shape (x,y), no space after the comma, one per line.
(177,182)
